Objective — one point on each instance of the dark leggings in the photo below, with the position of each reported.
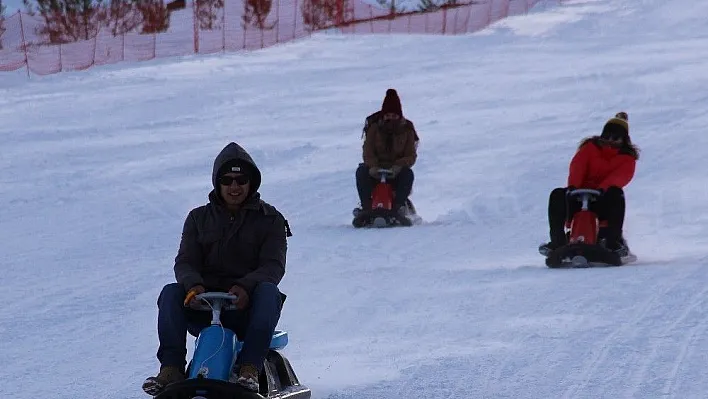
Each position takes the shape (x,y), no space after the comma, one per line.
(402,186)
(609,207)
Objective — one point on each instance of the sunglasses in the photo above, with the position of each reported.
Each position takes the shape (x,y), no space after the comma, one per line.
(240,180)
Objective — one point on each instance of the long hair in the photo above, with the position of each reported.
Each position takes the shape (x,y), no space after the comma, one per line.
(626,148)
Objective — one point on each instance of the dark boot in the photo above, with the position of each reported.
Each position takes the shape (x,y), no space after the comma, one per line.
(403,185)
(364,185)
(612,209)
(166,376)
(557,213)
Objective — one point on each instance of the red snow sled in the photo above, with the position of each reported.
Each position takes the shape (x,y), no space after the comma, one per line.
(583,248)
(382,213)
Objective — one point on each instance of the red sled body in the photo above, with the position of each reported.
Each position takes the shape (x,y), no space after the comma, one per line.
(583,248)
(382,213)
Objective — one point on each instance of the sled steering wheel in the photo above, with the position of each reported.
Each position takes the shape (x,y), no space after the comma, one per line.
(217,300)
(584,192)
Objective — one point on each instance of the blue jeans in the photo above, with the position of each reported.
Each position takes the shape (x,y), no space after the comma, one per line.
(253,326)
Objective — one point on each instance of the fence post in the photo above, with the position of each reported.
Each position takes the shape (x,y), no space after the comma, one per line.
(24,44)
(277,24)
(444,21)
(340,13)
(489,14)
(95,47)
(454,21)
(294,20)
(195,6)
(223,28)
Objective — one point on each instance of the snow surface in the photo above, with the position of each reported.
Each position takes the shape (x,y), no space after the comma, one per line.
(99,168)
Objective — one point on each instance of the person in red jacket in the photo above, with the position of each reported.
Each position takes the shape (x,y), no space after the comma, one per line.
(605,163)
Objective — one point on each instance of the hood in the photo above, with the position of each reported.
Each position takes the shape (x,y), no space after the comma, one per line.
(234,151)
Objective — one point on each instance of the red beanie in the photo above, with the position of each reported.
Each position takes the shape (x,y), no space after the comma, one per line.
(391,104)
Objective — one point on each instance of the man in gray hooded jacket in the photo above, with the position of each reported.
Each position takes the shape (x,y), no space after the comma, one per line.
(236,243)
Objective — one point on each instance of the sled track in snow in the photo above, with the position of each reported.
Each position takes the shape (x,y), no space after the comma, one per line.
(639,376)
(627,329)
(699,302)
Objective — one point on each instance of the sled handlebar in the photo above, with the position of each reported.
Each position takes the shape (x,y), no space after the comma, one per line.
(584,191)
(211,296)
(585,195)
(216,302)
(384,173)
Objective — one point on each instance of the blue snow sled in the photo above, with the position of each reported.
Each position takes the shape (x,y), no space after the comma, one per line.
(215,352)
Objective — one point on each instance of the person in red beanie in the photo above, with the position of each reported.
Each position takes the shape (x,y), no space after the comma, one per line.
(390,142)
(605,163)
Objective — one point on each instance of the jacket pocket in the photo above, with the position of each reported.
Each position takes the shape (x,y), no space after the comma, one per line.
(208,237)
(209,241)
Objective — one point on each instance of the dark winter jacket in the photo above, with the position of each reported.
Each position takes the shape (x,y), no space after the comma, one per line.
(376,117)
(387,147)
(601,166)
(219,250)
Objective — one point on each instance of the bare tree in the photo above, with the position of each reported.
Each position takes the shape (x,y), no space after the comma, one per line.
(319,14)
(208,13)
(149,16)
(392,6)
(156,16)
(122,16)
(2,22)
(431,5)
(67,21)
(427,5)
(255,13)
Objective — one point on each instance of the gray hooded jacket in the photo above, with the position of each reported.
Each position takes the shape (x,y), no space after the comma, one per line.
(219,250)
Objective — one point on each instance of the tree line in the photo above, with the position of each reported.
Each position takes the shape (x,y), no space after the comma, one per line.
(66,21)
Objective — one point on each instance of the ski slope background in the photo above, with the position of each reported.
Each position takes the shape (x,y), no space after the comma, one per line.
(99,168)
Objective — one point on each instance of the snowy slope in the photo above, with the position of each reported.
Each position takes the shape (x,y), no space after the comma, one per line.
(99,168)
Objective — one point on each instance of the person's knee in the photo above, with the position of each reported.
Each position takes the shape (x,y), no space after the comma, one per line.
(362,171)
(558,195)
(406,173)
(266,289)
(171,293)
(267,294)
(614,192)
(267,303)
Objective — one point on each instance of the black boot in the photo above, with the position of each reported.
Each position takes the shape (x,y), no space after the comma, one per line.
(364,185)
(557,213)
(612,209)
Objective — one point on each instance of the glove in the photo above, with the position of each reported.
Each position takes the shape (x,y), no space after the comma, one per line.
(395,170)
(242,301)
(374,172)
(191,300)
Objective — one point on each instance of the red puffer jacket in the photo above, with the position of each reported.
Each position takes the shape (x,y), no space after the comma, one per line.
(598,166)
